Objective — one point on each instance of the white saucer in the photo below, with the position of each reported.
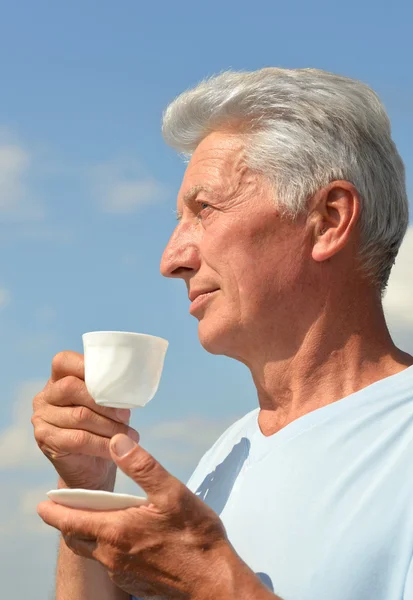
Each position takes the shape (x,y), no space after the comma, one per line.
(95,500)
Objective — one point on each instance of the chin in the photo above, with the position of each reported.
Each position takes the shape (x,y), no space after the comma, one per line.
(217,336)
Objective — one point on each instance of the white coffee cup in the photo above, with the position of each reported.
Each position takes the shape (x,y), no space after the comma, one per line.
(123,369)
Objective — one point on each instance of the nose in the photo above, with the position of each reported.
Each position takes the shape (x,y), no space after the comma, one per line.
(181,256)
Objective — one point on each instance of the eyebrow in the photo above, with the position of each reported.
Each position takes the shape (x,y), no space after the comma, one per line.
(191,194)
(194,191)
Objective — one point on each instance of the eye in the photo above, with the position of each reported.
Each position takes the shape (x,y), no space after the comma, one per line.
(202,206)
(203,209)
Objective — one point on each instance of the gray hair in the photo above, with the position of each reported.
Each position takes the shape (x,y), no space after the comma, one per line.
(305,128)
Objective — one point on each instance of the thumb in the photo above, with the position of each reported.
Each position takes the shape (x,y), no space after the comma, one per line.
(142,467)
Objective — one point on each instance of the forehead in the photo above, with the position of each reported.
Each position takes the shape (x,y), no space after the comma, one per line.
(219,160)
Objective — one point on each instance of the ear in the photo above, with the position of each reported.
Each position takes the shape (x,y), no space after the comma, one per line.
(334,213)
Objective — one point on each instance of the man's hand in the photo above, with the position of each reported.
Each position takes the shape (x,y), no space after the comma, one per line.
(73,431)
(174,547)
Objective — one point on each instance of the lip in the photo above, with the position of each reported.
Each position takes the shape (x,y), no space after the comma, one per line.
(195,293)
(198,298)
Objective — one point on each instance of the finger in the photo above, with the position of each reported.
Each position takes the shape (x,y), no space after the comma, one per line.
(56,442)
(81,547)
(82,417)
(71,522)
(67,363)
(71,391)
(162,488)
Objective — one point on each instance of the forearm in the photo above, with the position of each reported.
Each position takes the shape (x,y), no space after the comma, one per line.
(83,579)
(79,578)
(247,586)
(232,579)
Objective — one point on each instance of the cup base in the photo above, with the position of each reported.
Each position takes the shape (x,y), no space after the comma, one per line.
(109,404)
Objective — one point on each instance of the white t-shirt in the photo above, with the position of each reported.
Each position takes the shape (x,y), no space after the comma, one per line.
(323,509)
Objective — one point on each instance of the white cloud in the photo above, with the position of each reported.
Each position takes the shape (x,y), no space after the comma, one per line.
(35,342)
(18,448)
(16,200)
(127,196)
(25,539)
(179,445)
(14,163)
(18,507)
(186,439)
(27,544)
(398,301)
(4,298)
(119,188)
(27,500)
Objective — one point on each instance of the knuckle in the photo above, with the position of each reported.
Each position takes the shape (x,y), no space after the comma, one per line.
(40,430)
(81,414)
(44,440)
(104,447)
(78,438)
(83,442)
(58,361)
(66,362)
(69,385)
(116,534)
(145,465)
(118,428)
(45,397)
(38,400)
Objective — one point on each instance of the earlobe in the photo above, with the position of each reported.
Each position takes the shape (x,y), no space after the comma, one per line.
(321,249)
(320,228)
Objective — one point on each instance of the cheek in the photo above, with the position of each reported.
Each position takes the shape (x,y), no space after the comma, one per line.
(262,277)
(252,262)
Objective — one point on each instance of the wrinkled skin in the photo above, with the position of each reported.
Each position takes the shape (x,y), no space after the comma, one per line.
(174,547)
(72,431)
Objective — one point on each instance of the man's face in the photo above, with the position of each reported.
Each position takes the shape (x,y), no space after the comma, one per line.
(241,262)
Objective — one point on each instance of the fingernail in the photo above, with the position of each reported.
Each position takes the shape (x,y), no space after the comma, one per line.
(123,415)
(123,445)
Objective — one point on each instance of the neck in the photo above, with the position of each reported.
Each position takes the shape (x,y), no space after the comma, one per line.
(337,355)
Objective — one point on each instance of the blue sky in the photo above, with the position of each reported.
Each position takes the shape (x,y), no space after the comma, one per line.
(87,189)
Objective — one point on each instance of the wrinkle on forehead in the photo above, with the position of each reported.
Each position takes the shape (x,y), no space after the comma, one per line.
(217,167)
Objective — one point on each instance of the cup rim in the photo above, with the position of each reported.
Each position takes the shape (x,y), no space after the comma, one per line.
(131,334)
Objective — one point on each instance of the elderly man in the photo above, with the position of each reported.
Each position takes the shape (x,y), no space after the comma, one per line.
(290,216)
